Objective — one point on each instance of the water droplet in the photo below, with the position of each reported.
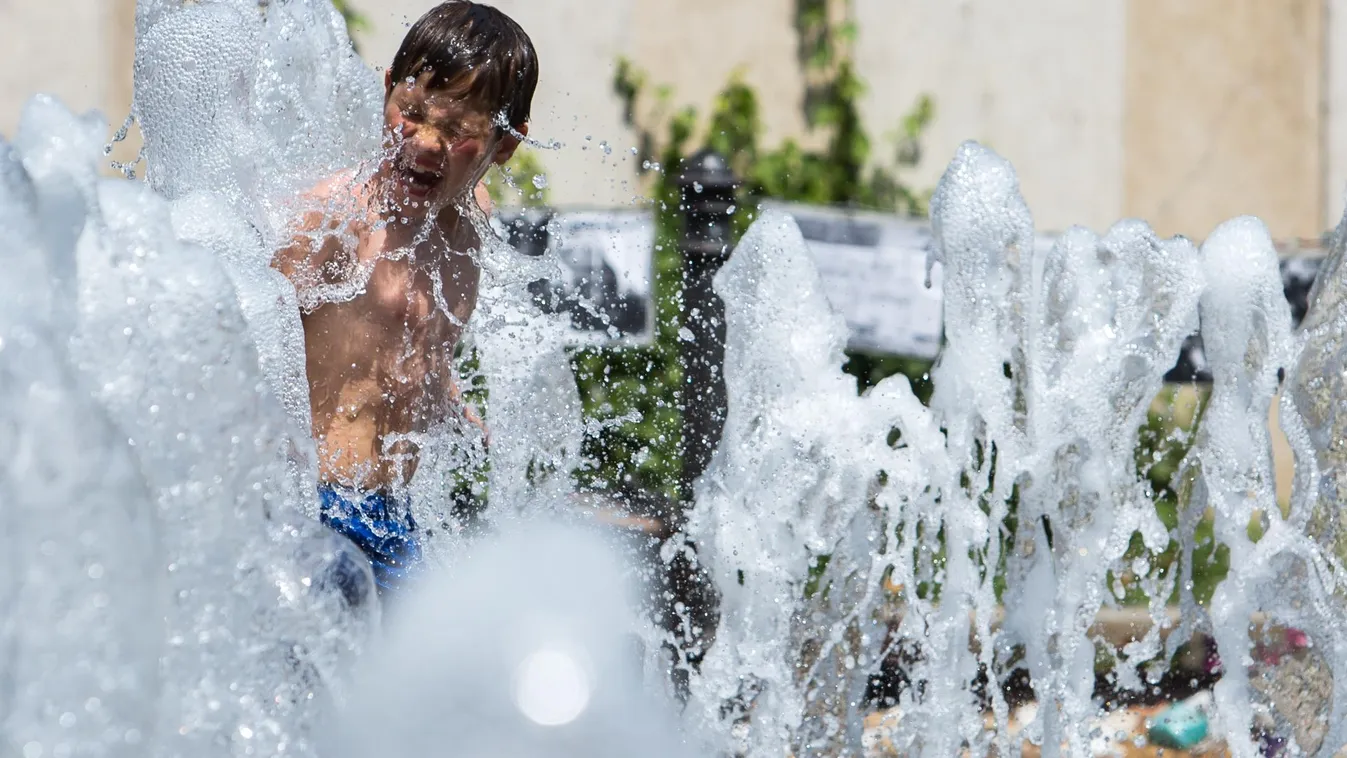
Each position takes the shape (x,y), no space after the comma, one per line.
(540,181)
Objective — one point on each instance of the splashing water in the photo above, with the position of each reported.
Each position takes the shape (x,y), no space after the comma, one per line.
(166,590)
(495,657)
(159,469)
(820,532)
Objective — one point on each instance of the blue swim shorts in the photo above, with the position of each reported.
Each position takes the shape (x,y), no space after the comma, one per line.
(380,525)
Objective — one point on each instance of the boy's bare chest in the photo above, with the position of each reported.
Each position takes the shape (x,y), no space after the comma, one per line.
(415,287)
(399,294)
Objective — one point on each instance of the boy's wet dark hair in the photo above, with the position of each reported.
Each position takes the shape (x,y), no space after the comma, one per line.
(477,53)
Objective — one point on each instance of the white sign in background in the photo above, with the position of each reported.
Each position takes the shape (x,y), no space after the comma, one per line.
(608,264)
(873,271)
(872,267)
(616,243)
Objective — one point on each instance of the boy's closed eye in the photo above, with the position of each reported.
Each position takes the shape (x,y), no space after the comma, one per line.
(451,125)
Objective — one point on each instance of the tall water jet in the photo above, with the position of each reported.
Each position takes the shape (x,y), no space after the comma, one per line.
(784,513)
(984,239)
(1310,585)
(77,578)
(1246,327)
(1111,314)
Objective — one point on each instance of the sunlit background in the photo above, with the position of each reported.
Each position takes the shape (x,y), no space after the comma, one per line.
(1182,112)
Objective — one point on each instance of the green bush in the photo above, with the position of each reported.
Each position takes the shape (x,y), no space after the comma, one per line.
(643,382)
(516,183)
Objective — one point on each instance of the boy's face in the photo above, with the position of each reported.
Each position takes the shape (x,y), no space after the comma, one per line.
(439,146)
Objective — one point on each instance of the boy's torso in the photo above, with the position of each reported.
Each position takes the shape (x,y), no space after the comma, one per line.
(380,364)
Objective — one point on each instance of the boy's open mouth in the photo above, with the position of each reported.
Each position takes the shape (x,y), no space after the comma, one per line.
(420,183)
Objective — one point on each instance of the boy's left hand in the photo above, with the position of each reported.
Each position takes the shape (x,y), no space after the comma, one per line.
(469,415)
(472,418)
(483,198)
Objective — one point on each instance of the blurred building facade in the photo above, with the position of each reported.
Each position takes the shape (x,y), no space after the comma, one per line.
(1181,112)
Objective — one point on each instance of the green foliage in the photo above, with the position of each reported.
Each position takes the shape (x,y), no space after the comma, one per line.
(516,183)
(871,368)
(642,382)
(841,173)
(1163,442)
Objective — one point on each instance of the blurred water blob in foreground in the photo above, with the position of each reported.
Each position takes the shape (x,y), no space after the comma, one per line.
(528,646)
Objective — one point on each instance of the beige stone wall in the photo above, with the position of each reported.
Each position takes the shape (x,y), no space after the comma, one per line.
(1183,112)
(1058,116)
(66,49)
(1334,130)
(1223,114)
(697,46)
(1040,81)
(79,51)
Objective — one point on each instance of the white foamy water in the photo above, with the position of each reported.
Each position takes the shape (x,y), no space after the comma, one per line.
(1053,358)
(526,645)
(791,482)
(165,590)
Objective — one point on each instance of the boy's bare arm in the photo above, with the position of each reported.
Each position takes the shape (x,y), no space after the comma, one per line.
(443,364)
(312,240)
(297,260)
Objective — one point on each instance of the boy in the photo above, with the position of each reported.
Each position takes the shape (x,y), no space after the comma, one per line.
(386,274)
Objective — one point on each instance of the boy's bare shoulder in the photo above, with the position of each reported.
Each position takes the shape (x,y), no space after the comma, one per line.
(331,201)
(319,218)
(342,182)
